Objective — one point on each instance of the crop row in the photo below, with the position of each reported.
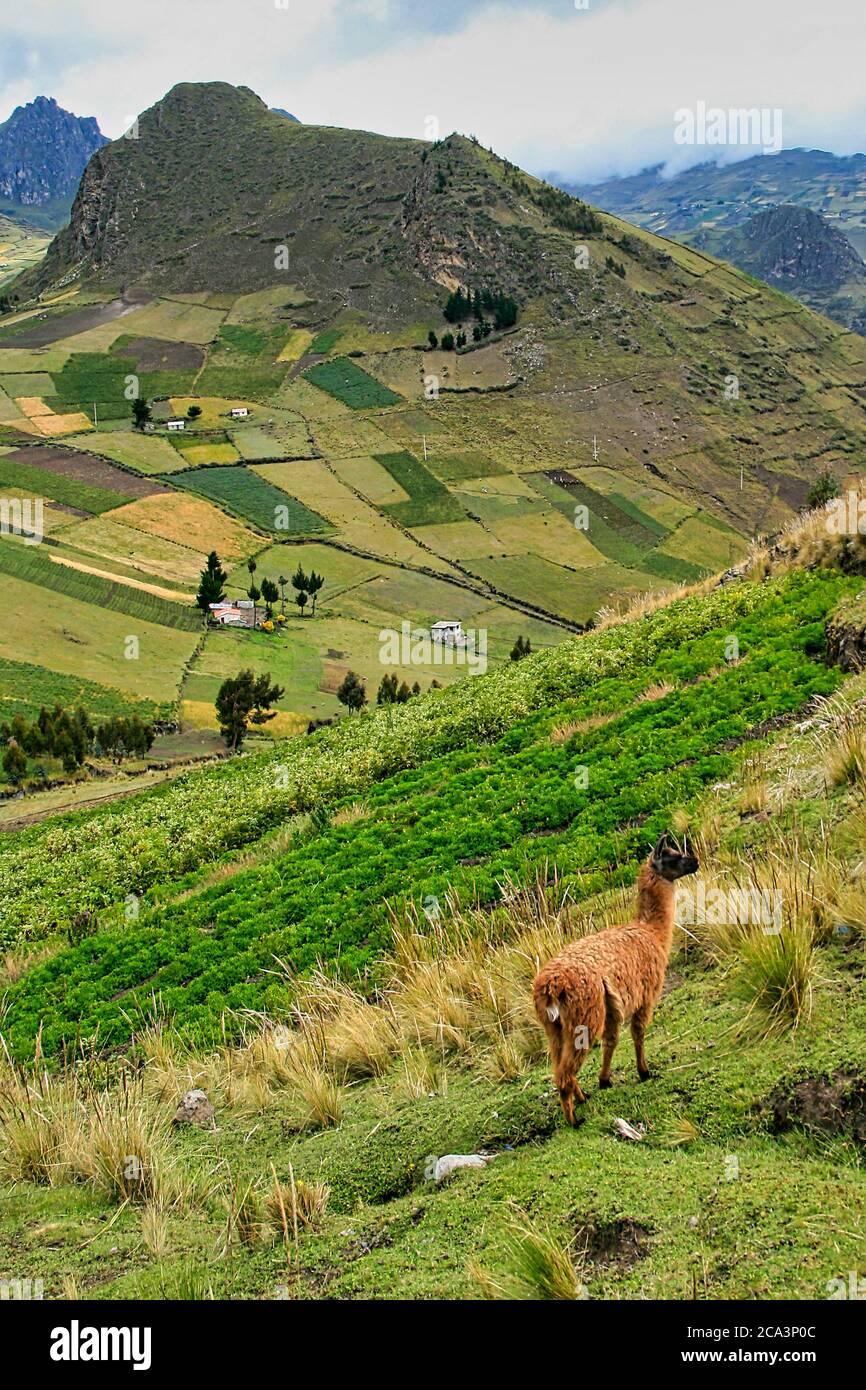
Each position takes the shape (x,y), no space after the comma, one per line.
(462,819)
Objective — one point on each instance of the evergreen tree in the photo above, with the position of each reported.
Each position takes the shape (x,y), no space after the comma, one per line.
(211,587)
(14,763)
(243,700)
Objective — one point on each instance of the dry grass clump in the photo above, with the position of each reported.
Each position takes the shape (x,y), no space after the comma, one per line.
(657,691)
(561,733)
(537,1266)
(66,1127)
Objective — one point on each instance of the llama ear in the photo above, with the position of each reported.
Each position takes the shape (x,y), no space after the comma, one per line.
(661,846)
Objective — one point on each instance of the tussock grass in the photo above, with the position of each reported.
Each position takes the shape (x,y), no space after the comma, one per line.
(538,1266)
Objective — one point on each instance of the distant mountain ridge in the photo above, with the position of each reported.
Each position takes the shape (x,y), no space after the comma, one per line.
(796,220)
(43,153)
(723,195)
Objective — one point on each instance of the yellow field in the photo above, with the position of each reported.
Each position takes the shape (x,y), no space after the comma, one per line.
(298,342)
(464,540)
(202,715)
(150,555)
(211,453)
(147,453)
(41,419)
(550,535)
(190,521)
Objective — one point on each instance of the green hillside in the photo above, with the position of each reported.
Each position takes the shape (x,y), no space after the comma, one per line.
(337,940)
(647,412)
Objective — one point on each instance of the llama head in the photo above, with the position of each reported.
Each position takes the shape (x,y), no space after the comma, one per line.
(670,862)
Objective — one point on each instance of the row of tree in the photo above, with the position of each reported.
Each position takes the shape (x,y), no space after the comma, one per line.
(211,588)
(69,736)
(466,304)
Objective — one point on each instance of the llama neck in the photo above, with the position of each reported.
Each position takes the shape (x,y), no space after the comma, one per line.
(655,905)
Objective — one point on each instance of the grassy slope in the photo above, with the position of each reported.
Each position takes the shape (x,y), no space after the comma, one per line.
(718,1201)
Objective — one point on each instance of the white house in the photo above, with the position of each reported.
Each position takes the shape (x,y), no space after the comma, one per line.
(239,412)
(175,424)
(235,612)
(451,634)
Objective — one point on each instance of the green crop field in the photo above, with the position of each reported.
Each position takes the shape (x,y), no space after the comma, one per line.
(41,482)
(429,503)
(25,688)
(350,384)
(252,498)
(35,566)
(495,812)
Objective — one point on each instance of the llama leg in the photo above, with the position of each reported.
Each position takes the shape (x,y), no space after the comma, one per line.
(564,1078)
(580,1055)
(611,1038)
(613,1016)
(639,1025)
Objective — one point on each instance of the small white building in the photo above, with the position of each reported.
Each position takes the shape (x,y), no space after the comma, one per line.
(450,634)
(239,412)
(235,612)
(175,424)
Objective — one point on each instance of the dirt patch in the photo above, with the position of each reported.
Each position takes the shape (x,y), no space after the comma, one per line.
(69,463)
(621,1243)
(50,328)
(158,355)
(835,1104)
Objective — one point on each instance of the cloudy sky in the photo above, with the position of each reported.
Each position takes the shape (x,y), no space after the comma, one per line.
(579,87)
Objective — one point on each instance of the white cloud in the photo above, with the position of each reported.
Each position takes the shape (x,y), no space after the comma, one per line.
(584,92)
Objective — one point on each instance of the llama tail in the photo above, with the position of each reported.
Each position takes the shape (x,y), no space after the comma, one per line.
(549,996)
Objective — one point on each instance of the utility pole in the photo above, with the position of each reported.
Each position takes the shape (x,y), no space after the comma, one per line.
(95,417)
(424,443)
(595,448)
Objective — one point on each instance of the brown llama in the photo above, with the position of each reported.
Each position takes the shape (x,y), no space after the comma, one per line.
(604,980)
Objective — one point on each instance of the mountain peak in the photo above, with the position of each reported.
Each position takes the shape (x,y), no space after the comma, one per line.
(43,152)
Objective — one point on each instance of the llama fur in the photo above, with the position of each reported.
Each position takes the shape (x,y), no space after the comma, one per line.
(595,985)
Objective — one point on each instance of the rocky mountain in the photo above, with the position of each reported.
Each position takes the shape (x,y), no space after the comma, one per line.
(796,219)
(800,252)
(718,196)
(278,111)
(43,152)
(650,359)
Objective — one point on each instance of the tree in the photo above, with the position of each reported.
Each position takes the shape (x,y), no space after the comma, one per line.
(302,598)
(522,647)
(194,412)
(314,584)
(387,693)
(141,413)
(432,339)
(282,581)
(823,490)
(270,594)
(243,700)
(211,588)
(14,763)
(353,692)
(254,593)
(447,342)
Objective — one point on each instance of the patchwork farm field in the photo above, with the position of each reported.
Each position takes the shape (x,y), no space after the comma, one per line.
(479,487)
(254,498)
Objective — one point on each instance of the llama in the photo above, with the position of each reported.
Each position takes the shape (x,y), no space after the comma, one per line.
(598,983)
